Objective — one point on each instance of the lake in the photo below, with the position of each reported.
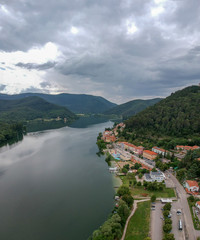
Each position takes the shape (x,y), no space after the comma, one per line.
(53,186)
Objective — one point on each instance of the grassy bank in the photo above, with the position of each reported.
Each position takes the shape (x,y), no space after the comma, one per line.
(138,227)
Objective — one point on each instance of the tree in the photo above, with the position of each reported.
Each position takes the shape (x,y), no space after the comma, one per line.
(167,206)
(168,221)
(140,175)
(147,238)
(123,190)
(167,228)
(166,213)
(153,198)
(128,199)
(139,184)
(124,170)
(169,236)
(123,212)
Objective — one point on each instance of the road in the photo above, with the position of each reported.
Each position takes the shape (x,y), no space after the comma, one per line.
(175,220)
(190,233)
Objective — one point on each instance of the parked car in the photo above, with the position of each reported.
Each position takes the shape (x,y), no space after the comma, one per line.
(179,212)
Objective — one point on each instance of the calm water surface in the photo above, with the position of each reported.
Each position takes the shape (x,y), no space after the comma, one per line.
(53,186)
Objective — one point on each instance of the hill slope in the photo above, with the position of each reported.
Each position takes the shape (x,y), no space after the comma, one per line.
(132,107)
(177,116)
(31,108)
(77,103)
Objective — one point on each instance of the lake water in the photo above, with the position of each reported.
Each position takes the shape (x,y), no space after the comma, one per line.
(53,186)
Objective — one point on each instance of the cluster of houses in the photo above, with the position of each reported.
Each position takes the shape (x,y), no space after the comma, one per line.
(187,148)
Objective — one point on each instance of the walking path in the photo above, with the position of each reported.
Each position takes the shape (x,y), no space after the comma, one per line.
(133,211)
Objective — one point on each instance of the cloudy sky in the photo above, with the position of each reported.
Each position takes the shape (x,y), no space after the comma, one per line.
(121,50)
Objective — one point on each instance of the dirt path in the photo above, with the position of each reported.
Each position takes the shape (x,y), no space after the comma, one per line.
(133,211)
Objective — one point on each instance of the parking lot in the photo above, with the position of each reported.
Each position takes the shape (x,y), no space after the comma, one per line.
(157,221)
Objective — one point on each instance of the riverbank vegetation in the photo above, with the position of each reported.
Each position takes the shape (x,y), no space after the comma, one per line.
(139,224)
(112,229)
(11,132)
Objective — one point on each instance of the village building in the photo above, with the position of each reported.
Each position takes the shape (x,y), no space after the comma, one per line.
(132,148)
(154,176)
(108,136)
(198,205)
(191,186)
(159,150)
(149,154)
(187,148)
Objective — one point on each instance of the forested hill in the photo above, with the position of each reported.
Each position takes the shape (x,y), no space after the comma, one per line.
(77,103)
(132,107)
(31,108)
(177,115)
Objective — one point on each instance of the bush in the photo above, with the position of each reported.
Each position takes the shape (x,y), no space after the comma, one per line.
(167,228)
(153,198)
(123,190)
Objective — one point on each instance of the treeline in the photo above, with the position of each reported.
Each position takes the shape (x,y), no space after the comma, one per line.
(11,132)
(175,117)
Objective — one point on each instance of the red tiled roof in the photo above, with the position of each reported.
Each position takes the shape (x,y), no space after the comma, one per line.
(160,149)
(192,183)
(198,203)
(150,152)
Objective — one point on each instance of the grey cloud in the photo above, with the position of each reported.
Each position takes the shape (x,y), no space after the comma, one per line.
(2,87)
(30,66)
(101,58)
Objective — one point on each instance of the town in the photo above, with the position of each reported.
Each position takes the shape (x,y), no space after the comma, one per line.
(149,175)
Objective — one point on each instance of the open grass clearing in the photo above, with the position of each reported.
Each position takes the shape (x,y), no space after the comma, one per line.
(139,225)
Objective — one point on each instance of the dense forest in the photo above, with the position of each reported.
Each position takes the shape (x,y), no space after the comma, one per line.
(189,167)
(132,107)
(11,132)
(31,108)
(77,103)
(174,120)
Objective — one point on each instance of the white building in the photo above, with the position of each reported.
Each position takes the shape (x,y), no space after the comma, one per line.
(159,150)
(198,205)
(154,176)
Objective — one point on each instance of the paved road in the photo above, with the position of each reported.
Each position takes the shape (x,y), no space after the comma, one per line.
(156,222)
(190,233)
(133,211)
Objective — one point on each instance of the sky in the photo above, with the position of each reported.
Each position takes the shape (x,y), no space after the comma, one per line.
(120,50)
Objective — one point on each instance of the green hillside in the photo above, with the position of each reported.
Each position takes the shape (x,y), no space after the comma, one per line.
(132,108)
(77,103)
(175,117)
(31,108)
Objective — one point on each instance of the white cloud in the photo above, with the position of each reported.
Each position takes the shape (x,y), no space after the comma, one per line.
(74,30)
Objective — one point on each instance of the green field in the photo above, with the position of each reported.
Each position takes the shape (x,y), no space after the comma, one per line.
(138,227)
(166,193)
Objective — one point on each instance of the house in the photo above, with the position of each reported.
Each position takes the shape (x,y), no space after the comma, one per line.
(108,136)
(192,186)
(159,150)
(198,205)
(154,176)
(149,154)
(187,148)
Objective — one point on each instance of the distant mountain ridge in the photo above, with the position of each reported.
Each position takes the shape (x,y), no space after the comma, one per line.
(132,107)
(76,103)
(31,108)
